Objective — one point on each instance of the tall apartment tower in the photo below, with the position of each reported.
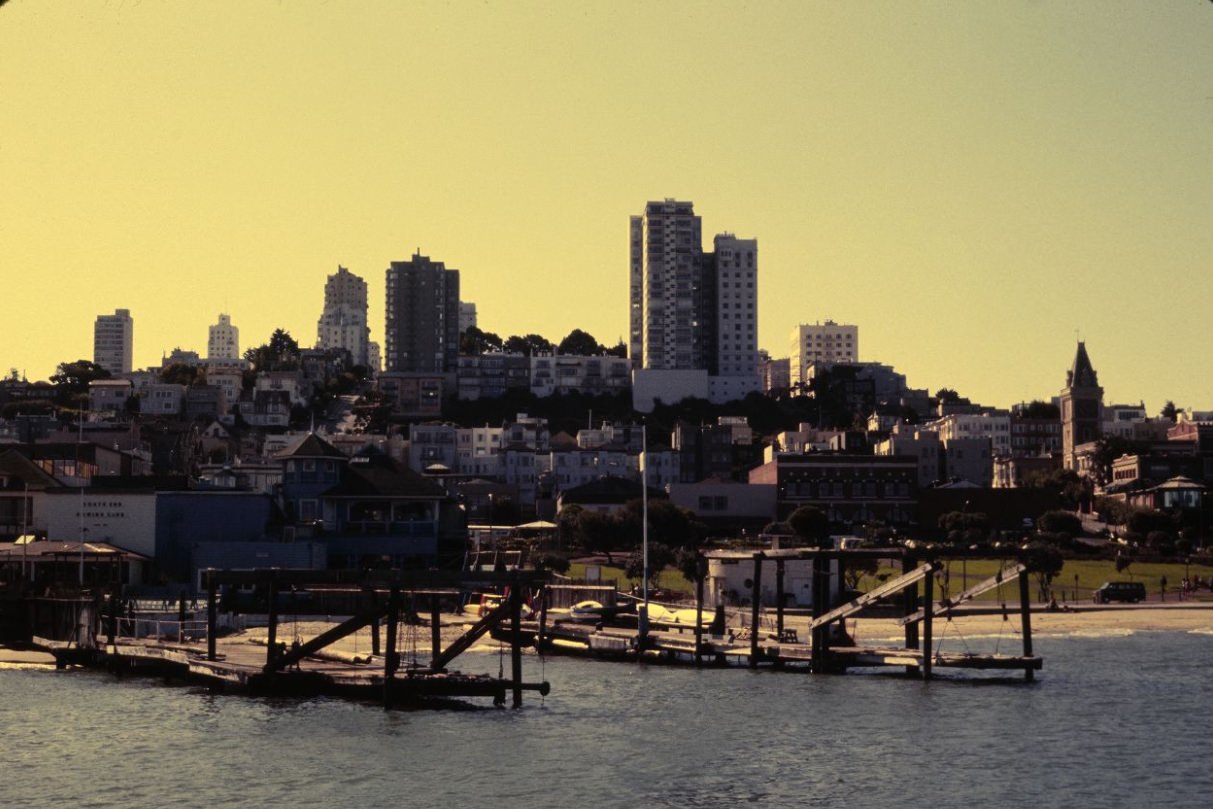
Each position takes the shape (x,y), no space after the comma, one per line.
(422,324)
(667,287)
(823,343)
(343,323)
(690,310)
(113,341)
(1081,407)
(735,279)
(223,341)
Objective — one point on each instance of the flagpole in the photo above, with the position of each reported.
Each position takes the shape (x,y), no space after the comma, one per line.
(643,620)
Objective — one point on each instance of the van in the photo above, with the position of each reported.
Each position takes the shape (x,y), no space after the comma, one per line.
(1124,591)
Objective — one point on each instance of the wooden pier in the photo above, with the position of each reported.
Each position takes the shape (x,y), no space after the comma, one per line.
(825,646)
(310,668)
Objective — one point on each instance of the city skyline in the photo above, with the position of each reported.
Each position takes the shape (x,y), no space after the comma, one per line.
(976,187)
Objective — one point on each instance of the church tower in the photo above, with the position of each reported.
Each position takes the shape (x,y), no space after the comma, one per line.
(1081,408)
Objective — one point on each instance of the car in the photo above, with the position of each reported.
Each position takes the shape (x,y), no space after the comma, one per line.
(1124,591)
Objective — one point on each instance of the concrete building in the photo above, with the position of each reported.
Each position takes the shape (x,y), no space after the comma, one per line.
(467,316)
(223,340)
(107,397)
(691,311)
(923,445)
(848,488)
(824,344)
(562,373)
(343,323)
(113,341)
(422,323)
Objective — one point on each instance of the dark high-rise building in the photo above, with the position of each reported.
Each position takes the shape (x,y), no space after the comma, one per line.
(422,324)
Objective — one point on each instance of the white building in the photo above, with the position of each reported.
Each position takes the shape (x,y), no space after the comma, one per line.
(736,372)
(561,373)
(995,425)
(822,343)
(223,340)
(107,397)
(113,341)
(467,316)
(343,322)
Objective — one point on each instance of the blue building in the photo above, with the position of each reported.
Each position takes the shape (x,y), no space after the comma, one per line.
(368,510)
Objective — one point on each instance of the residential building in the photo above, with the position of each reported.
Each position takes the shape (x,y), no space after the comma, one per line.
(491,375)
(848,488)
(113,341)
(108,397)
(563,373)
(223,340)
(691,311)
(414,394)
(422,323)
(906,440)
(823,344)
(343,322)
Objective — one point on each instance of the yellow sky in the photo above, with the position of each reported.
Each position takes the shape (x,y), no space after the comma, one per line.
(970,183)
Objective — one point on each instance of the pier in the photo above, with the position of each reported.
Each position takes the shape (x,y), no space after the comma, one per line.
(100,635)
(822,644)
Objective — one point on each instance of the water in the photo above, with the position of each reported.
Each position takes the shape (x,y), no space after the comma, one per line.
(1111,722)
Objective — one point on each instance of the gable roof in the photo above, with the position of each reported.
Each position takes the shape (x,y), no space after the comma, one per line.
(312,446)
(381,476)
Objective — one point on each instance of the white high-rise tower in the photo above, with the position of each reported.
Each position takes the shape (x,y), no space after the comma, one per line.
(343,322)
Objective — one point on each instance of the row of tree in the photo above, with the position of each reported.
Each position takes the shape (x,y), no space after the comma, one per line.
(576,342)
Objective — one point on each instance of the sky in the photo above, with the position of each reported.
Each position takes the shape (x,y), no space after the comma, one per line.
(975,185)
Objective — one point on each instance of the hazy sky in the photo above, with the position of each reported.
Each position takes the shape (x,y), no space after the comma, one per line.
(973,183)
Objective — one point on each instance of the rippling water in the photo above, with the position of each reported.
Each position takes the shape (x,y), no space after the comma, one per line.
(1115,721)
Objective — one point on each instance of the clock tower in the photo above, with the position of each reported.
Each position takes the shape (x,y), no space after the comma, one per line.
(1081,407)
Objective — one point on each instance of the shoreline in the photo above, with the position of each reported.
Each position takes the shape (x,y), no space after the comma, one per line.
(1083,621)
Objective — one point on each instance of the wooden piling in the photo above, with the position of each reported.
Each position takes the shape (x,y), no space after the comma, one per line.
(755,604)
(212,615)
(928,613)
(516,641)
(779,598)
(1025,615)
(909,600)
(819,639)
(271,647)
(435,626)
(699,611)
(391,659)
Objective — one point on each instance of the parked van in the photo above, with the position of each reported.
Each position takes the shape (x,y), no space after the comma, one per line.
(1124,591)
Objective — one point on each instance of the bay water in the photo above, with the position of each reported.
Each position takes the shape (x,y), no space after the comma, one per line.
(1115,720)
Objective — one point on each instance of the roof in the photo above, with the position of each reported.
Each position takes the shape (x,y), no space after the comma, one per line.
(1082,373)
(312,446)
(51,548)
(381,476)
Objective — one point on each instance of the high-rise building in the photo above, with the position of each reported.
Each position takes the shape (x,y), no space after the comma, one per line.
(343,323)
(467,315)
(422,323)
(223,342)
(690,310)
(113,341)
(823,344)
(1081,408)
(667,285)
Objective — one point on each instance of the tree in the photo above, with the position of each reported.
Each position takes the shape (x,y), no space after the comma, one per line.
(675,526)
(692,564)
(281,353)
(529,344)
(579,343)
(1040,410)
(598,533)
(1059,521)
(475,341)
(1169,411)
(1144,521)
(553,562)
(660,557)
(1044,560)
(72,380)
(810,524)
(620,350)
(965,528)
(1107,450)
(181,374)
(950,396)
